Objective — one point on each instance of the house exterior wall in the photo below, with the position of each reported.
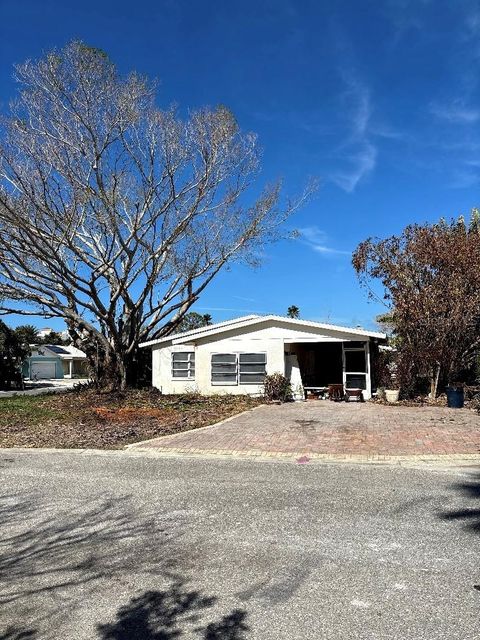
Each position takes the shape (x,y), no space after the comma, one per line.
(273,340)
(251,343)
(37,358)
(79,368)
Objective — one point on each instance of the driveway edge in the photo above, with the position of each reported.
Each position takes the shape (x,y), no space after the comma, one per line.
(305,457)
(445,460)
(139,445)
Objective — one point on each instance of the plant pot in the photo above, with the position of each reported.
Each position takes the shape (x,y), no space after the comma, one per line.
(392,395)
(455,397)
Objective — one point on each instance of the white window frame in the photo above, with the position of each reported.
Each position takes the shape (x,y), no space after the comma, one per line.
(237,355)
(190,360)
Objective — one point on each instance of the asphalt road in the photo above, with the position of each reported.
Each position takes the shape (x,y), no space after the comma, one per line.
(123,546)
(44,386)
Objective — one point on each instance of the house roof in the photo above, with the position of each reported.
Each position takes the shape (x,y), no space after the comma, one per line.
(63,351)
(247,321)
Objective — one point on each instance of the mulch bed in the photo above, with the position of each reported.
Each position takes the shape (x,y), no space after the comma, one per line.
(89,419)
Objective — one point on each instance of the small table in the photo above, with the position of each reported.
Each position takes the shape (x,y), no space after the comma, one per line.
(317,392)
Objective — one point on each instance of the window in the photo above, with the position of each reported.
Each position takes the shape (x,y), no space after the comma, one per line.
(242,368)
(252,367)
(183,364)
(224,368)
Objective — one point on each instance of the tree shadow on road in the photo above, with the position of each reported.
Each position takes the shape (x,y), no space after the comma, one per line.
(469,514)
(161,615)
(54,559)
(14,633)
(165,615)
(50,551)
(54,562)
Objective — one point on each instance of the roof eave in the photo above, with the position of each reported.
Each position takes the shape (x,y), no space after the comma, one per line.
(205,332)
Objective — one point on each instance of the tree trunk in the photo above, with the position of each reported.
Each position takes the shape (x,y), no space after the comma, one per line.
(139,368)
(434,382)
(110,366)
(118,371)
(109,370)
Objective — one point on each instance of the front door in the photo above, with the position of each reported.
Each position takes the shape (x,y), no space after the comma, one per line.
(356,369)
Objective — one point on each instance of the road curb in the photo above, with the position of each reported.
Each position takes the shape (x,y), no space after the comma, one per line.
(306,457)
(445,460)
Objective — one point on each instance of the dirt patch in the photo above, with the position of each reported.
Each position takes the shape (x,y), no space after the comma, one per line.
(89,419)
(127,414)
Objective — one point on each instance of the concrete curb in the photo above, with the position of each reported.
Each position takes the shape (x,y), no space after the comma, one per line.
(305,457)
(444,460)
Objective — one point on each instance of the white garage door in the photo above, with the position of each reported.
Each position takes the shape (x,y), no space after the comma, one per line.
(43,370)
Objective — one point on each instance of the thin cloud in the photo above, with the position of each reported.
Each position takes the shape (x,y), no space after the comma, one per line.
(317,240)
(389,133)
(357,151)
(406,17)
(463,179)
(362,163)
(455,113)
(244,299)
(230,309)
(472,23)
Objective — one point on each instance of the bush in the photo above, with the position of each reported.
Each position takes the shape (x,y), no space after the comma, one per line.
(277,387)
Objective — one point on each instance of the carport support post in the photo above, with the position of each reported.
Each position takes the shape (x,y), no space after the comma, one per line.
(70,368)
(368,390)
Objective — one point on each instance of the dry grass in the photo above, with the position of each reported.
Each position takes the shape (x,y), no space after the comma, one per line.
(89,419)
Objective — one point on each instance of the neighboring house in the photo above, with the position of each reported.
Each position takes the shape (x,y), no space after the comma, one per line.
(234,356)
(50,361)
(46,331)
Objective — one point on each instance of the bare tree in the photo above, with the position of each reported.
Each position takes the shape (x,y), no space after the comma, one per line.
(114,214)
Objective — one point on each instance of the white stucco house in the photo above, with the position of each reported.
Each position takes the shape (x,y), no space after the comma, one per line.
(234,356)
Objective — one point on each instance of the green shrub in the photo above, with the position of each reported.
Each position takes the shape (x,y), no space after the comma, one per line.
(277,387)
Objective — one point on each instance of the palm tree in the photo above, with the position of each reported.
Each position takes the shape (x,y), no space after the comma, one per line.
(27,334)
(293,312)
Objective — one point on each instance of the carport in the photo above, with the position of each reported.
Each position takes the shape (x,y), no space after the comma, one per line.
(322,363)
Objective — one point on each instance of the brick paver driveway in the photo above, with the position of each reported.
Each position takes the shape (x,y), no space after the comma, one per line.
(322,427)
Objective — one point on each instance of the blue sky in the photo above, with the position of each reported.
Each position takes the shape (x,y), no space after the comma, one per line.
(380,100)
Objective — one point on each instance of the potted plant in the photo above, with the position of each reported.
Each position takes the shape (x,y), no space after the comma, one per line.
(391,395)
(388,376)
